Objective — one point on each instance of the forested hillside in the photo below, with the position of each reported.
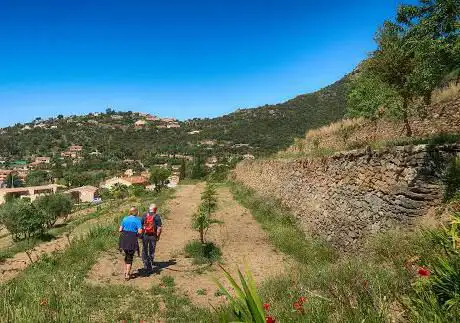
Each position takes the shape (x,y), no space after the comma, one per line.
(258,131)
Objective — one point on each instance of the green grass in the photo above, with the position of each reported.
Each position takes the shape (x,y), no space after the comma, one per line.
(282,228)
(203,254)
(370,286)
(53,289)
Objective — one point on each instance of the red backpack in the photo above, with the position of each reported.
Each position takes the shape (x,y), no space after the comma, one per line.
(149,225)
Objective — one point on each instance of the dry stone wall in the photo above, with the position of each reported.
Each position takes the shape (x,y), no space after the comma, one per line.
(346,197)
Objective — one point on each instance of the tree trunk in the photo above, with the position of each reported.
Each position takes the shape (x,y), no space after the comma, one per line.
(406,118)
(202,235)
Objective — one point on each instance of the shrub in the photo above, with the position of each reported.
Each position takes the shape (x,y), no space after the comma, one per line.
(22,219)
(202,220)
(452,179)
(436,295)
(203,253)
(54,206)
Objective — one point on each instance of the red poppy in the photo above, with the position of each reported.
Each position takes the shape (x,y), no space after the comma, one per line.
(302,300)
(269,319)
(366,283)
(266,306)
(43,302)
(423,272)
(298,306)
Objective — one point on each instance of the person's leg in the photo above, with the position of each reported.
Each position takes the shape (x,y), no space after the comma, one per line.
(154,245)
(145,253)
(129,255)
(151,251)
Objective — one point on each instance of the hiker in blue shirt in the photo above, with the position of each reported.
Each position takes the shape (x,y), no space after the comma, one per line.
(130,229)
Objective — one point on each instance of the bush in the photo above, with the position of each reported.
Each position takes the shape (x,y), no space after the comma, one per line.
(452,179)
(203,253)
(436,295)
(22,219)
(54,206)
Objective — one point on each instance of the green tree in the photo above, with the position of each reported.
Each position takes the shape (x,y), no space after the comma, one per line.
(22,219)
(54,206)
(369,96)
(38,177)
(198,171)
(202,220)
(433,29)
(13,180)
(183,169)
(119,191)
(413,55)
(159,177)
(136,190)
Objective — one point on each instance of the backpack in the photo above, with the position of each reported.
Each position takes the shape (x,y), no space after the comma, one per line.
(149,225)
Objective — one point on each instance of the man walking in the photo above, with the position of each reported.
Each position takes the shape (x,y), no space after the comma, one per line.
(151,224)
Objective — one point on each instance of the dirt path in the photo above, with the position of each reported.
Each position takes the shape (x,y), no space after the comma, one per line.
(11,267)
(240,238)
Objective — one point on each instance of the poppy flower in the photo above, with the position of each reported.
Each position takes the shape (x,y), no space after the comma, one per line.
(302,300)
(298,306)
(269,319)
(266,306)
(366,283)
(423,272)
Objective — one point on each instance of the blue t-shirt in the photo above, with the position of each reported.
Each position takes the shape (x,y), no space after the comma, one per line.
(131,223)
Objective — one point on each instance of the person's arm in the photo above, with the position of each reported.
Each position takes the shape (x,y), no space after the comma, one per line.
(121,225)
(158,225)
(139,229)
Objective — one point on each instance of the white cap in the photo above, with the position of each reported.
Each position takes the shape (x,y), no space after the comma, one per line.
(152,207)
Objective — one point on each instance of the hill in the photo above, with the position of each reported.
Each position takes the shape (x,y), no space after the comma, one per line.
(131,135)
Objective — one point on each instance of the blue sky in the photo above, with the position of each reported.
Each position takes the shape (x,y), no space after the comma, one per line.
(175,58)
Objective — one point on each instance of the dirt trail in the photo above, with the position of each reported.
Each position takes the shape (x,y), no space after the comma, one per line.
(11,267)
(240,238)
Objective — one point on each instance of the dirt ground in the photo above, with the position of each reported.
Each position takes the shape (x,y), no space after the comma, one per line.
(240,238)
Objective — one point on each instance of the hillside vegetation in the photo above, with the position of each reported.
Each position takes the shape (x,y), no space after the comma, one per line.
(258,131)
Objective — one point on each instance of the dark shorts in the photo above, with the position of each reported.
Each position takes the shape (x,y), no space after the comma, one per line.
(129,256)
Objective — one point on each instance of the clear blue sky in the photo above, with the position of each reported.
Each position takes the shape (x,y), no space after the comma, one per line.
(175,58)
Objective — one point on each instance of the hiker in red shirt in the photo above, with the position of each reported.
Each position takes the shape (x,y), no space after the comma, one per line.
(151,227)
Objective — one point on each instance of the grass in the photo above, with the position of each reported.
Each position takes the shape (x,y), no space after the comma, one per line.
(282,228)
(54,289)
(207,253)
(447,93)
(370,286)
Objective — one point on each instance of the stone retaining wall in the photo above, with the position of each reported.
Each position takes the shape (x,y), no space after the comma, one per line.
(345,197)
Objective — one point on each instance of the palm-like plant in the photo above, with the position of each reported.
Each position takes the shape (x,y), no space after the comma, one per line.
(247,305)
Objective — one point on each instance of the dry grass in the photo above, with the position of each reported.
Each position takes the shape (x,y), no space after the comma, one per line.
(334,128)
(447,93)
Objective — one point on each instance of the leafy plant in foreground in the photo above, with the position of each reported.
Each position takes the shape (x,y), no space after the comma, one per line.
(247,305)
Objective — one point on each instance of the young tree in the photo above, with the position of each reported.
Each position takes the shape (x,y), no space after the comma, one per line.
(54,206)
(38,177)
(198,171)
(119,191)
(202,220)
(159,177)
(22,219)
(183,169)
(413,56)
(13,180)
